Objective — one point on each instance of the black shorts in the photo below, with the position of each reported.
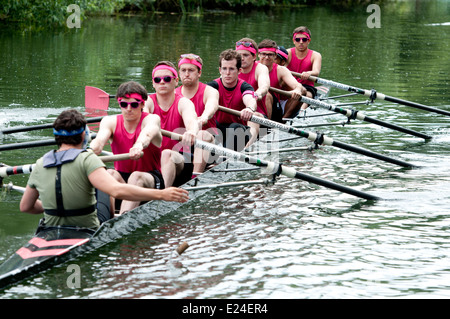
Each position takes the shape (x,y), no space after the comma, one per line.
(103,206)
(311,89)
(185,175)
(240,135)
(159,181)
(159,184)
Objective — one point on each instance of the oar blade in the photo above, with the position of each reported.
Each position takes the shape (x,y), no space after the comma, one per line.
(95,98)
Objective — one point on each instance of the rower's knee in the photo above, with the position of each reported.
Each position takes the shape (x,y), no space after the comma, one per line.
(114,174)
(136,178)
(169,157)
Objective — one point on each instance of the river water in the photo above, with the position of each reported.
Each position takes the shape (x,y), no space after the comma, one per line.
(290,240)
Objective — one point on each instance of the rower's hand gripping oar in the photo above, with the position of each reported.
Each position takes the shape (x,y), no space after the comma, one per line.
(273,167)
(353,114)
(373,94)
(319,139)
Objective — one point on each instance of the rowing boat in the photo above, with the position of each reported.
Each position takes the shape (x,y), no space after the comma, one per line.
(58,244)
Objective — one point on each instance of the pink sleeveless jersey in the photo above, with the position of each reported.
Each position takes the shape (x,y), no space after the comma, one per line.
(251,79)
(231,99)
(274,82)
(301,65)
(123,141)
(198,99)
(170,121)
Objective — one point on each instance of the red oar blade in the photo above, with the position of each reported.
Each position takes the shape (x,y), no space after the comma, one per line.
(95,98)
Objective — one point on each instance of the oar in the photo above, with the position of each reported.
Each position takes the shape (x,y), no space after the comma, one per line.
(353,114)
(273,167)
(15,146)
(11,187)
(318,138)
(28,168)
(374,94)
(41,126)
(95,98)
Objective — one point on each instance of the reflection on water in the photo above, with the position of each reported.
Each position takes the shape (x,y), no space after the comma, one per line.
(288,240)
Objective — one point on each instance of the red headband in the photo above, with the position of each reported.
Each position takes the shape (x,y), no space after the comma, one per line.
(164,67)
(284,55)
(304,33)
(135,96)
(267,49)
(191,61)
(242,47)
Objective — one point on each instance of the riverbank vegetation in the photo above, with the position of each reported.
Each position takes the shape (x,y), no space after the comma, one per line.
(44,14)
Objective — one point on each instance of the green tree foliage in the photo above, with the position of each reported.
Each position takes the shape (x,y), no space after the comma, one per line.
(44,14)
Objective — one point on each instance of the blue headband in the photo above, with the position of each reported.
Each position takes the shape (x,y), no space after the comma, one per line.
(68,133)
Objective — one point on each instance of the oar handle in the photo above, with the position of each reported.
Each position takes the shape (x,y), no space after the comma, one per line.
(172,135)
(311,77)
(230,111)
(114,158)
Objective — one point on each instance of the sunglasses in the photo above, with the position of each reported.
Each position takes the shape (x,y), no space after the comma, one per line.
(301,39)
(245,44)
(267,55)
(133,104)
(166,79)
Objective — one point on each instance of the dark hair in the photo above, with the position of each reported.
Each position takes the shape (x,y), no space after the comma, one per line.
(69,120)
(282,49)
(301,29)
(168,63)
(229,55)
(131,87)
(267,43)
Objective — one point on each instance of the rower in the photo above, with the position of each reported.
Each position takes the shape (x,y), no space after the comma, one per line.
(65,180)
(133,131)
(177,114)
(236,94)
(280,77)
(305,61)
(206,102)
(256,75)
(282,55)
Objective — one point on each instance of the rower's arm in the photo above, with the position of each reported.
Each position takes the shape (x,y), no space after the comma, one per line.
(105,132)
(150,131)
(286,77)
(211,99)
(30,202)
(262,73)
(190,119)
(316,61)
